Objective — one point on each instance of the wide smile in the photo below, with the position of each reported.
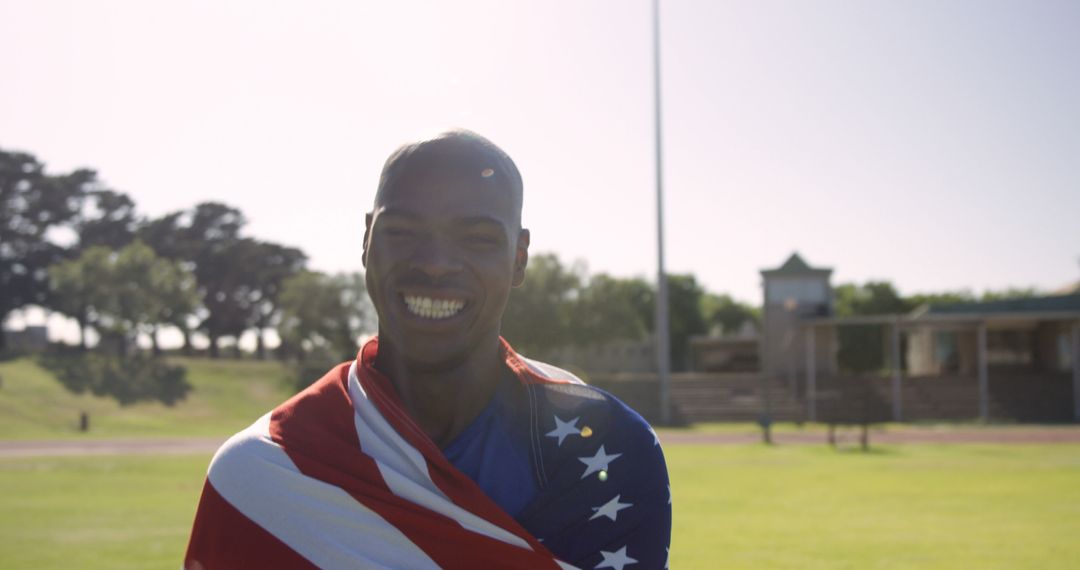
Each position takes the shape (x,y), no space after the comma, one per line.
(433,308)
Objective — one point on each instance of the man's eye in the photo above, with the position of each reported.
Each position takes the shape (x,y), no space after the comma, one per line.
(398,232)
(481,239)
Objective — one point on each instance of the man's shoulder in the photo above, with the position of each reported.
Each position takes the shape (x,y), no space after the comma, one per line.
(307,415)
(567,394)
(603,479)
(243,454)
(574,417)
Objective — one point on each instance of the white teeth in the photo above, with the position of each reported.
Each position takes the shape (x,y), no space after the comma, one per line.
(429,308)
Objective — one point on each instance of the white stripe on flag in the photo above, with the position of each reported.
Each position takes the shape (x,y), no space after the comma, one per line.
(548,371)
(405,470)
(319,521)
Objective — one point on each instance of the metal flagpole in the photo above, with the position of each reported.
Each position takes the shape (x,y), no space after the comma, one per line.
(663,342)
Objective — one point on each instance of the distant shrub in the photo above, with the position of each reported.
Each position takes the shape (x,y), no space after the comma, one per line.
(129,379)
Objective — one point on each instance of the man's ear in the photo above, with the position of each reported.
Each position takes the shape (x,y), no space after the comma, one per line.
(367,236)
(521,258)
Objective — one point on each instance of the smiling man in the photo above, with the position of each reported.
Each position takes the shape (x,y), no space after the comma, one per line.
(439,446)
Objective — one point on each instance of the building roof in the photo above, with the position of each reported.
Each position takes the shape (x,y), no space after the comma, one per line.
(1054,303)
(1049,308)
(795,265)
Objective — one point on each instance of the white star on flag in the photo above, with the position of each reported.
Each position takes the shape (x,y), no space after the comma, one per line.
(563,429)
(598,462)
(610,509)
(616,559)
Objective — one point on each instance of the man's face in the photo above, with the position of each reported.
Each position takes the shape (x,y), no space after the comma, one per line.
(442,251)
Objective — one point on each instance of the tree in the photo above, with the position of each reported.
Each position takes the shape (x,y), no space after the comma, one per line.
(944,298)
(172,286)
(724,315)
(269,265)
(164,235)
(123,293)
(106,218)
(1010,293)
(610,308)
(324,315)
(31,204)
(871,298)
(128,379)
(861,347)
(538,314)
(78,286)
(559,305)
(208,237)
(686,320)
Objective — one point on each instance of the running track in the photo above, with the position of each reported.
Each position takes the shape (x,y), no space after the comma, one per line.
(845,435)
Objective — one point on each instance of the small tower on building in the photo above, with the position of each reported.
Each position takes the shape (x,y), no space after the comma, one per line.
(793,292)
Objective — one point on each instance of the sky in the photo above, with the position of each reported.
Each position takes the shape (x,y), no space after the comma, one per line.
(931,143)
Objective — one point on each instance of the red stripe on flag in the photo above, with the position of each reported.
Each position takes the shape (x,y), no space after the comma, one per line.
(222,537)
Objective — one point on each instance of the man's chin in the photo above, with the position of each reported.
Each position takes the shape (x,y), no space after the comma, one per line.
(430,352)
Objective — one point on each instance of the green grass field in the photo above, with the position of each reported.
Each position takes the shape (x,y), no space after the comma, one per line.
(955,506)
(227,396)
(736,506)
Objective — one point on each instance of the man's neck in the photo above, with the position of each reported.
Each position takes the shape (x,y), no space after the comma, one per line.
(444,400)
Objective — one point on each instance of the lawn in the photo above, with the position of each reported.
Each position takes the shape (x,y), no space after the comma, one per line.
(227,396)
(946,506)
(955,506)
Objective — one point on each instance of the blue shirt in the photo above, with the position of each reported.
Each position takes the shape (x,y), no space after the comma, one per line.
(494,453)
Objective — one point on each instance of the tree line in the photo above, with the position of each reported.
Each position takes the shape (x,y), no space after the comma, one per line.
(562,304)
(861,348)
(72,245)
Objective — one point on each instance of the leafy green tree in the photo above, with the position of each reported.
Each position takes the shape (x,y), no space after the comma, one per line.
(967,296)
(31,205)
(725,315)
(609,308)
(944,298)
(559,305)
(862,347)
(208,238)
(538,315)
(267,265)
(174,296)
(1010,293)
(105,218)
(79,285)
(123,293)
(684,302)
(324,315)
(128,379)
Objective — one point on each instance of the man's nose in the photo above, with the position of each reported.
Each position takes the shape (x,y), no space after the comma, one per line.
(436,259)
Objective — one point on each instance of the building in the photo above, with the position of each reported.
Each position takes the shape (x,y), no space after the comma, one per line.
(1012,360)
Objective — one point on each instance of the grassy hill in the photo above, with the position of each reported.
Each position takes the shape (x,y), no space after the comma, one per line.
(226,396)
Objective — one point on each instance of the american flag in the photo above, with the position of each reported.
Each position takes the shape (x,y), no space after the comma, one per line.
(340,476)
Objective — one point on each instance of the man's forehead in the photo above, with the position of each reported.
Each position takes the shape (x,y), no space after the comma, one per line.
(458,174)
(407,215)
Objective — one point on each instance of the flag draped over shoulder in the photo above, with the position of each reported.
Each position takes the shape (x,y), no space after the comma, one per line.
(339,476)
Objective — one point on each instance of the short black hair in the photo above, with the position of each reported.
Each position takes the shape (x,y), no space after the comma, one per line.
(459,150)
